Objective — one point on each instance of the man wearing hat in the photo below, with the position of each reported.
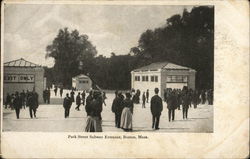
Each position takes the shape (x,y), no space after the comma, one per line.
(156,109)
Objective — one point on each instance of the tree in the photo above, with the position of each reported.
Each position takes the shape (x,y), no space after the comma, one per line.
(186,39)
(68,49)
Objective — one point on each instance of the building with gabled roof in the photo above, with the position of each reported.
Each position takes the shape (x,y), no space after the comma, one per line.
(22,75)
(82,82)
(162,75)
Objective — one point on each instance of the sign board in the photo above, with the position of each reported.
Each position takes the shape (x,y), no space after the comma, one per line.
(19,78)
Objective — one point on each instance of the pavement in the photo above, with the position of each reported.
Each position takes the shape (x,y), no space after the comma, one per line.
(50,118)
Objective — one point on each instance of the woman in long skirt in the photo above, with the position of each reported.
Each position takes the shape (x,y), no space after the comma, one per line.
(127,114)
(94,123)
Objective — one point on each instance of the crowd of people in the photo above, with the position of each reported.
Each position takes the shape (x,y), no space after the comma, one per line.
(122,105)
(17,101)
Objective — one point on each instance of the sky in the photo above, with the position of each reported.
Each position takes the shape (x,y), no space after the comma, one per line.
(29,28)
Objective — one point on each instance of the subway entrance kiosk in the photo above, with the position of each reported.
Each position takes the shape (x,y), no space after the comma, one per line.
(22,75)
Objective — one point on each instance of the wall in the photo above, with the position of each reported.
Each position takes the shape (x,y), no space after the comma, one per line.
(83,86)
(144,85)
(38,84)
(189,73)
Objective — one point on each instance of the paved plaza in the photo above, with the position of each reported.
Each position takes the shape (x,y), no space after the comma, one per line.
(50,118)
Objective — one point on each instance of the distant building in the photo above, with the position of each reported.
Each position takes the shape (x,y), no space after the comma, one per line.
(82,82)
(22,75)
(162,75)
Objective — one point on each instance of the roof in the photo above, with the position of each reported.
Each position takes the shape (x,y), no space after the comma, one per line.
(20,63)
(81,76)
(162,65)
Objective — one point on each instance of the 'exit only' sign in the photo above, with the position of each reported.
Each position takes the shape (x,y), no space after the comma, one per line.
(21,78)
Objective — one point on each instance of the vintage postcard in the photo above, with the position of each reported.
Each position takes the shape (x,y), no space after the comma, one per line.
(125,79)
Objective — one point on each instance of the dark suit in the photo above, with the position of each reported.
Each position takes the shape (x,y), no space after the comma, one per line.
(67,104)
(156,109)
(32,102)
(87,107)
(172,105)
(78,102)
(185,105)
(17,103)
(117,107)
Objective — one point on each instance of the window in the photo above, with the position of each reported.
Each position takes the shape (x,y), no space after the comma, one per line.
(83,81)
(146,78)
(177,79)
(156,78)
(152,79)
(137,78)
(143,78)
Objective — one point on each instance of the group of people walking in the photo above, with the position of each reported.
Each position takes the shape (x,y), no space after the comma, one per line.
(122,105)
(21,100)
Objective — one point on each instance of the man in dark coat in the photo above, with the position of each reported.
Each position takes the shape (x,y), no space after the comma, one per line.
(156,109)
(117,107)
(147,95)
(143,100)
(67,102)
(185,104)
(172,105)
(32,102)
(22,96)
(72,96)
(88,100)
(78,102)
(83,97)
(17,103)
(61,91)
(8,100)
(45,96)
(48,96)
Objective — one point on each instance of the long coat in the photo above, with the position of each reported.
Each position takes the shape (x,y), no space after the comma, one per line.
(185,100)
(32,101)
(172,102)
(156,105)
(117,105)
(17,103)
(78,100)
(67,103)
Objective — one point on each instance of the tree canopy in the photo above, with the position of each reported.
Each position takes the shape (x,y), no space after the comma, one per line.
(186,39)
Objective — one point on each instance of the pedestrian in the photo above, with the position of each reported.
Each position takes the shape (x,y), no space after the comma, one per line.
(179,99)
(61,91)
(195,99)
(143,100)
(171,105)
(95,108)
(67,102)
(185,104)
(17,103)
(83,97)
(104,98)
(156,109)
(127,113)
(72,96)
(78,102)
(31,103)
(55,90)
(88,100)
(117,107)
(8,100)
(203,97)
(48,95)
(12,101)
(22,96)
(45,96)
(147,95)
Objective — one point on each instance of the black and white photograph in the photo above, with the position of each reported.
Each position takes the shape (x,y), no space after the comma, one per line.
(108,68)
(124,79)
